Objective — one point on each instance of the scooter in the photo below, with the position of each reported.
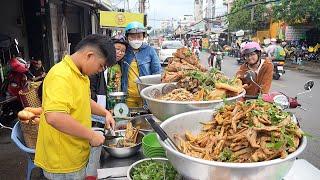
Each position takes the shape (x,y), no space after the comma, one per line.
(278,69)
(219,59)
(279,98)
(15,80)
(211,59)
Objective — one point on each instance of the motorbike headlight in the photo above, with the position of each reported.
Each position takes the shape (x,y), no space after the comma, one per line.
(282,101)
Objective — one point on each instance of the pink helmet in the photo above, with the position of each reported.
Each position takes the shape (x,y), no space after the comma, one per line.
(251,47)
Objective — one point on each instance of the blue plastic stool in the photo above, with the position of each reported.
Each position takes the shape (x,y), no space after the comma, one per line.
(17,138)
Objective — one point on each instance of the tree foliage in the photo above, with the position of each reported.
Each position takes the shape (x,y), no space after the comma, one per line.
(297,12)
(240,16)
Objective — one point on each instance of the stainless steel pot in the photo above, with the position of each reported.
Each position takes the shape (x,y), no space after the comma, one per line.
(195,168)
(141,123)
(147,81)
(162,109)
(125,151)
(137,122)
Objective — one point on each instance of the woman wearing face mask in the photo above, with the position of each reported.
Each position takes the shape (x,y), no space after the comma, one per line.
(110,79)
(262,67)
(142,59)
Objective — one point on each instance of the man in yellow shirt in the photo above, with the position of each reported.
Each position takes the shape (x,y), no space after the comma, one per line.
(65,134)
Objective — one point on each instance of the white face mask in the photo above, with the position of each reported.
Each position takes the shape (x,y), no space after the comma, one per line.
(135,44)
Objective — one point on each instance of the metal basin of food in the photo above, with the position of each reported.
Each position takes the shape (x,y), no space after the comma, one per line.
(195,168)
(148,81)
(124,151)
(163,109)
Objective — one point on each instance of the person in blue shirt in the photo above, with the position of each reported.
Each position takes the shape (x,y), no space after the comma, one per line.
(140,60)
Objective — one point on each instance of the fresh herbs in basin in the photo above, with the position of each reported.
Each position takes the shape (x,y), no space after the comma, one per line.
(154,169)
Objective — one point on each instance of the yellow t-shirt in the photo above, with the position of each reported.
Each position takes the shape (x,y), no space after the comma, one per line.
(65,89)
(134,99)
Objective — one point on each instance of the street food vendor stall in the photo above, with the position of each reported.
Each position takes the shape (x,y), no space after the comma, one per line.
(238,140)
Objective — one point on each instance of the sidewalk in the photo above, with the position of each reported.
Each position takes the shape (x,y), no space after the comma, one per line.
(312,67)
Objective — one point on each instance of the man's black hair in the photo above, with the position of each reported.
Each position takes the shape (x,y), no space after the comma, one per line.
(101,43)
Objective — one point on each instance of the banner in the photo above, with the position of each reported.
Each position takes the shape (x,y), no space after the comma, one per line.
(119,19)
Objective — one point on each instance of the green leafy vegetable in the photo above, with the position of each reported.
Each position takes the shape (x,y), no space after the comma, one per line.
(226,155)
(152,169)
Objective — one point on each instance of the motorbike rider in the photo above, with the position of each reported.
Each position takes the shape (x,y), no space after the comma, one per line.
(271,48)
(262,67)
(278,54)
(140,60)
(214,49)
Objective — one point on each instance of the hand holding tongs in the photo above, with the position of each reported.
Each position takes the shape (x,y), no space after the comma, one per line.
(109,133)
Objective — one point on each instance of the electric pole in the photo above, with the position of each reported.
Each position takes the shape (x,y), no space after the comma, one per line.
(252,11)
(142,6)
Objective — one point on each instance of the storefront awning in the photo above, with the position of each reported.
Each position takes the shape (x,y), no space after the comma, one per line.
(98,4)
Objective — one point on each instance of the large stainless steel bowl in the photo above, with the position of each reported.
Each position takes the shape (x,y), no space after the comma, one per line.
(147,81)
(125,151)
(195,168)
(163,109)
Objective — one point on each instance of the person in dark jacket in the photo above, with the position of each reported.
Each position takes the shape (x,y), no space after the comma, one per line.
(110,79)
(140,60)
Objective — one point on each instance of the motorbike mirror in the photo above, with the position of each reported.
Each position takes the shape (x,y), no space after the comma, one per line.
(16,42)
(282,101)
(250,75)
(308,85)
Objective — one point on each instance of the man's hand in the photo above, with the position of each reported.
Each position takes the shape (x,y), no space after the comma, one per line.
(109,120)
(96,139)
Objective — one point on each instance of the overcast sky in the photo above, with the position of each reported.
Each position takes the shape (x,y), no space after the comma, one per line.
(165,9)
(168,9)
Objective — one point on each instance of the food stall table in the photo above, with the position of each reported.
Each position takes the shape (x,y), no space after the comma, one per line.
(117,168)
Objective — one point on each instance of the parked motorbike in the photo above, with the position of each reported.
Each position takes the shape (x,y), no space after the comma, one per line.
(300,56)
(19,73)
(15,80)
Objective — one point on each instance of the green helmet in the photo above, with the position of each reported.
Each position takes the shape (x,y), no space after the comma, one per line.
(135,27)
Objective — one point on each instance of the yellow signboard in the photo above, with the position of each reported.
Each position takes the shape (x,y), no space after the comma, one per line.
(119,19)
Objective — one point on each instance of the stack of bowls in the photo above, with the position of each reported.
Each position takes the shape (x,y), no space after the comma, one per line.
(151,146)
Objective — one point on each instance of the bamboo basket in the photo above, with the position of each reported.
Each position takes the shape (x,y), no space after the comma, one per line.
(30,133)
(29,98)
